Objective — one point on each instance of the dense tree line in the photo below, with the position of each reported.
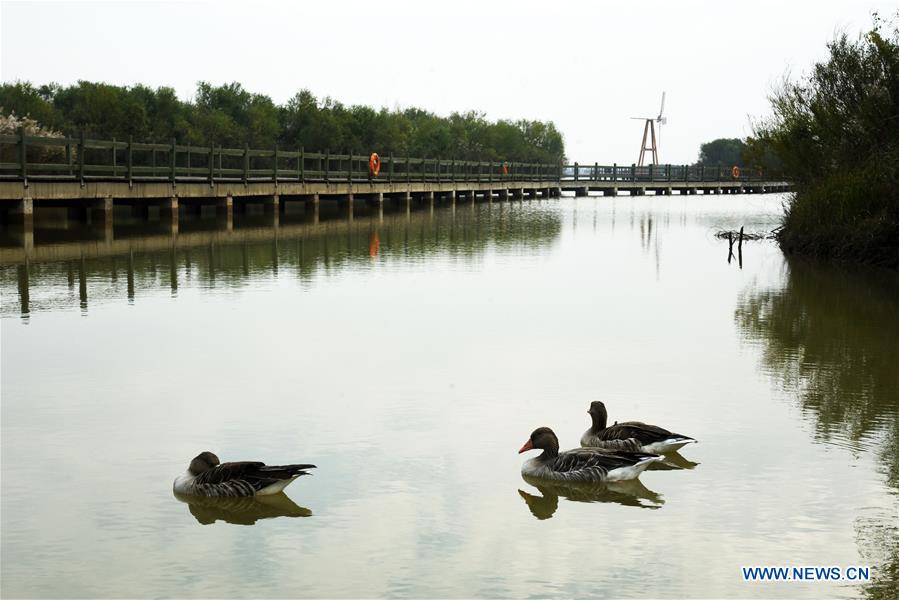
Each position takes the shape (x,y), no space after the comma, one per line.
(837,135)
(230,116)
(723,151)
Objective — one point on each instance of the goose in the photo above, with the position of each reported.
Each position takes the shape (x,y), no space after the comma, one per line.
(207,476)
(651,438)
(580,464)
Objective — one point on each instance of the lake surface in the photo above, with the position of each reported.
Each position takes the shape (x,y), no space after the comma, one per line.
(410,358)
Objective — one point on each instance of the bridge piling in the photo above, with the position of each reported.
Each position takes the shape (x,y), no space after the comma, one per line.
(224,212)
(168,214)
(101,211)
(312,205)
(22,212)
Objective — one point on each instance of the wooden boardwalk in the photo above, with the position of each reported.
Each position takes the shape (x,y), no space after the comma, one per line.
(91,177)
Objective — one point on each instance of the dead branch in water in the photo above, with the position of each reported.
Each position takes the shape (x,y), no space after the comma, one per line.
(727,234)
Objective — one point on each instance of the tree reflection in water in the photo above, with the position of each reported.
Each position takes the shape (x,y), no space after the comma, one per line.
(831,337)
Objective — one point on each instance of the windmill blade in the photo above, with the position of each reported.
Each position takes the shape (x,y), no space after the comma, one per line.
(662,107)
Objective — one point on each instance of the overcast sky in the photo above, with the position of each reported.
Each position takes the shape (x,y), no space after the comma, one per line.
(587,66)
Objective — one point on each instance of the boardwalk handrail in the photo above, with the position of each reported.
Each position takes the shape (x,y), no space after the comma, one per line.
(24,157)
(660,173)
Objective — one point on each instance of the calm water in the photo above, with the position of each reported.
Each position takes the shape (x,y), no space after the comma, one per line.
(410,359)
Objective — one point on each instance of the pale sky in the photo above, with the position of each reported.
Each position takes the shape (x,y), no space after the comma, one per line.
(587,66)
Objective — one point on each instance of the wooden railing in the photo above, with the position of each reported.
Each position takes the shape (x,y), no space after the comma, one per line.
(24,157)
(661,173)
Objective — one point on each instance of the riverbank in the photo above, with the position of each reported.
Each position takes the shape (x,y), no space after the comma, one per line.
(851,217)
(836,135)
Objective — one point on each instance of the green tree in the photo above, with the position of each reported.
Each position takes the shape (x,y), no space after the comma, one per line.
(837,135)
(231,116)
(25,100)
(723,151)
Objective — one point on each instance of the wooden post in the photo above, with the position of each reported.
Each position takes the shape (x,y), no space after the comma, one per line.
(173,152)
(302,164)
(575,170)
(69,155)
(275,166)
(633,172)
(614,172)
(129,159)
(246,163)
(408,174)
(81,145)
(211,163)
(740,243)
(23,155)
(327,165)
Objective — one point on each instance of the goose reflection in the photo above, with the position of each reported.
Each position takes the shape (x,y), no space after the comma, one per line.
(242,511)
(628,493)
(673,461)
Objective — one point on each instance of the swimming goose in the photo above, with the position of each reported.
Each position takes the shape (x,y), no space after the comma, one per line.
(650,437)
(580,464)
(207,476)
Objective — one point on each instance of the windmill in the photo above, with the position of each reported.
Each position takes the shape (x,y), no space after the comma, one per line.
(649,132)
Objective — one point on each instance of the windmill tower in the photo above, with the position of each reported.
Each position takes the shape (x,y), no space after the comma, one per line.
(649,134)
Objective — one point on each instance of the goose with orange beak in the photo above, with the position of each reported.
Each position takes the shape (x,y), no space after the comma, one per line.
(581,464)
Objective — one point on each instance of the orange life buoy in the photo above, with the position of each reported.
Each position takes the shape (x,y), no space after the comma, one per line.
(374,164)
(505,169)
(735,171)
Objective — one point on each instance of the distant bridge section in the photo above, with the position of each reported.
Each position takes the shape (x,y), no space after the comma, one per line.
(610,180)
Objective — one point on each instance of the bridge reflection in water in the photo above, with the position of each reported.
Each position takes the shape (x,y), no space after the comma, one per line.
(71,263)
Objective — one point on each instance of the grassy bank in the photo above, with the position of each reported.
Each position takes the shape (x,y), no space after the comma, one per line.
(850,215)
(836,133)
